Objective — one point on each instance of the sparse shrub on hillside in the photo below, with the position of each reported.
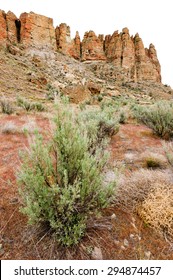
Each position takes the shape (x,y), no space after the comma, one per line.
(30,106)
(6,106)
(51,92)
(61,182)
(25,104)
(159,117)
(38,107)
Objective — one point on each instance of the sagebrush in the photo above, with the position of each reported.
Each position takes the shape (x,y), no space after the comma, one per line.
(159,117)
(6,106)
(61,181)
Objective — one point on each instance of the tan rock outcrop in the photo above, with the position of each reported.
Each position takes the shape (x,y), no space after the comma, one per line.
(13,27)
(37,35)
(113,48)
(128,50)
(153,57)
(64,42)
(92,47)
(37,31)
(147,66)
(3,29)
(129,53)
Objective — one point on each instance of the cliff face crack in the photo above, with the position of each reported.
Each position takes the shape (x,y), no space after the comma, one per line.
(18,27)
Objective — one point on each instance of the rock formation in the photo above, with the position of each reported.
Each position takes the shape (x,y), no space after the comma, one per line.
(127,54)
(37,31)
(64,42)
(3,29)
(92,47)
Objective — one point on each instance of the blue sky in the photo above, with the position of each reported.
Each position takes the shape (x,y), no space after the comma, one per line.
(150,18)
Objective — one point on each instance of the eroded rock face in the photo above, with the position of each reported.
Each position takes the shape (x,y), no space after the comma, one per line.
(147,65)
(113,48)
(36,34)
(92,47)
(64,42)
(13,27)
(129,53)
(37,31)
(3,29)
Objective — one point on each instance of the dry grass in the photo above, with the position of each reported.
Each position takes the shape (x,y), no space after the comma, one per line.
(153,160)
(157,208)
(9,128)
(149,193)
(134,188)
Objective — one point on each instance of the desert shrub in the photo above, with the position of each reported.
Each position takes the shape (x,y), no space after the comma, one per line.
(100,126)
(25,104)
(61,182)
(168,147)
(30,106)
(154,160)
(9,128)
(100,97)
(157,209)
(122,117)
(6,106)
(159,117)
(52,92)
(38,107)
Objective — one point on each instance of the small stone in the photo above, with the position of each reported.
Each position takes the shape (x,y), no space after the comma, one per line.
(126,242)
(123,248)
(116,242)
(148,254)
(113,217)
(132,236)
(139,238)
(14,200)
(1,250)
(97,254)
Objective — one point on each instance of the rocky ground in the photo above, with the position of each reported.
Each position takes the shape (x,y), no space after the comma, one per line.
(119,233)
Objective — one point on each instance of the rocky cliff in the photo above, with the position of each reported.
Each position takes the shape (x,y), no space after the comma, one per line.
(35,33)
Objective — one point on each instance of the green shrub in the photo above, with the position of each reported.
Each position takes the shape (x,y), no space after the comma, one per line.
(51,92)
(25,104)
(30,106)
(100,126)
(6,106)
(159,117)
(61,182)
(38,107)
(122,117)
(100,98)
(168,147)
